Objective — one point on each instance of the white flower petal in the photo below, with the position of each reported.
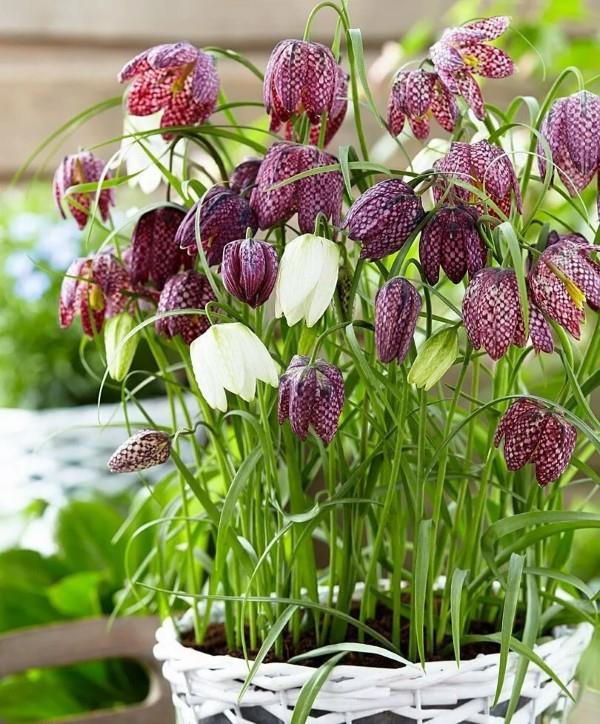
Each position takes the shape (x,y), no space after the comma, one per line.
(325,289)
(205,365)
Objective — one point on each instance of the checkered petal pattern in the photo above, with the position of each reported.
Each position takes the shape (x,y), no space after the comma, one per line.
(535,434)
(186,290)
(82,168)
(311,395)
(243,176)
(249,270)
(397,307)
(143,450)
(319,193)
(177,78)
(383,218)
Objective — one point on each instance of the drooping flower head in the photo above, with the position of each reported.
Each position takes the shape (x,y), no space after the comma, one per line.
(304,77)
(249,270)
(483,166)
(82,168)
(493,318)
(451,240)
(311,394)
(95,287)
(243,176)
(383,218)
(155,255)
(186,290)
(177,78)
(571,130)
(224,216)
(563,278)
(141,451)
(417,96)
(463,52)
(308,197)
(397,307)
(535,434)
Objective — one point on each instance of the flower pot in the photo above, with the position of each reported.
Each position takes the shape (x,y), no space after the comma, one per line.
(206,687)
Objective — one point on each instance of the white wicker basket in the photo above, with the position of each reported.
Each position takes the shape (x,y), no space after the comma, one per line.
(206,688)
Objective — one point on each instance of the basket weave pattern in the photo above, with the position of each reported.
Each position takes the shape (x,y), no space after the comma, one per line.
(206,687)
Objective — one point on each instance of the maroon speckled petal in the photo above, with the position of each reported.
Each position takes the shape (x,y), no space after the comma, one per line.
(554,450)
(143,450)
(329,400)
(397,307)
(303,391)
(186,290)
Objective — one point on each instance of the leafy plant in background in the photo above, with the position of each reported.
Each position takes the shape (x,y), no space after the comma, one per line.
(411,310)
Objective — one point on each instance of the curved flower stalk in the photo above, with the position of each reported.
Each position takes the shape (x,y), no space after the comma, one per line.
(311,395)
(177,79)
(484,166)
(397,307)
(307,279)
(451,240)
(231,357)
(563,278)
(224,216)
(82,168)
(186,290)
(95,288)
(145,449)
(571,130)
(155,254)
(383,218)
(319,193)
(304,77)
(535,434)
(249,270)
(493,318)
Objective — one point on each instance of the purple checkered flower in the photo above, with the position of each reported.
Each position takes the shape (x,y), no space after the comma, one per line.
(397,307)
(224,216)
(243,176)
(143,450)
(154,253)
(462,53)
(383,218)
(178,79)
(419,95)
(94,287)
(451,240)
(535,434)
(311,394)
(308,197)
(186,290)
(493,318)
(304,77)
(563,278)
(249,270)
(571,130)
(82,168)
(483,166)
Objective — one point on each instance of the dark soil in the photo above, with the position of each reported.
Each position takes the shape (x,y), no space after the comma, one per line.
(215,644)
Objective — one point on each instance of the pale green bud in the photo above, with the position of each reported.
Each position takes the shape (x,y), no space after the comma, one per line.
(435,358)
(119,353)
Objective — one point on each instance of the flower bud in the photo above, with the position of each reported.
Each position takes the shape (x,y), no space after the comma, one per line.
(145,449)
(434,359)
(397,306)
(249,270)
(119,352)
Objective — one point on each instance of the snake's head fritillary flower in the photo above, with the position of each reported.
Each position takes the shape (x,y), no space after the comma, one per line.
(320,193)
(186,290)
(141,451)
(243,176)
(304,77)
(463,52)
(176,78)
(397,307)
(383,218)
(155,254)
(82,168)
(95,287)
(224,216)
(249,270)
(336,116)
(571,130)
(231,357)
(535,434)
(451,240)
(483,166)
(311,394)
(563,278)
(307,279)
(416,96)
